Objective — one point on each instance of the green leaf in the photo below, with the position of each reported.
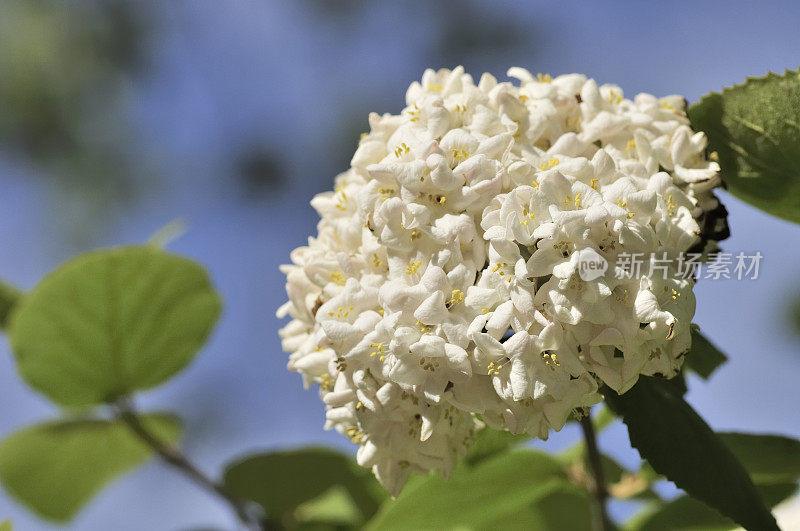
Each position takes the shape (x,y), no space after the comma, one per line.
(603,418)
(489,442)
(768,458)
(704,358)
(281,482)
(168,233)
(677,443)
(755,129)
(55,468)
(9,295)
(110,322)
(333,507)
(621,482)
(559,506)
(687,513)
(474,496)
(5,525)
(794,315)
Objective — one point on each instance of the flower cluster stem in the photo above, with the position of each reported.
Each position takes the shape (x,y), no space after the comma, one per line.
(172,455)
(600,519)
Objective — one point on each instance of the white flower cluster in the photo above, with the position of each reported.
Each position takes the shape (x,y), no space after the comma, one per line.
(443,288)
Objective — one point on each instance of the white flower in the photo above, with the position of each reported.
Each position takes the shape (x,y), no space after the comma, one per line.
(444,283)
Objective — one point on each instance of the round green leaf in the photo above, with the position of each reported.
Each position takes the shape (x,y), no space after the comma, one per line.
(283,482)
(755,129)
(56,468)
(110,322)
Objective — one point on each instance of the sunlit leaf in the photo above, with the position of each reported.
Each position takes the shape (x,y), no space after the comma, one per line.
(110,322)
(677,443)
(489,442)
(560,505)
(56,468)
(474,496)
(755,129)
(335,506)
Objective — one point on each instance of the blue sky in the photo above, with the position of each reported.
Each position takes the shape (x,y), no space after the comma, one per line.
(227,75)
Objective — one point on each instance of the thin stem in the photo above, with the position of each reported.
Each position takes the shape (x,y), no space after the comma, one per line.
(600,520)
(172,455)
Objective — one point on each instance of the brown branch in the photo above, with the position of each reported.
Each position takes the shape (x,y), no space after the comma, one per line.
(172,455)
(600,520)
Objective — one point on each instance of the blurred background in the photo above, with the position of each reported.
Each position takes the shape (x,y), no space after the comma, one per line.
(117,117)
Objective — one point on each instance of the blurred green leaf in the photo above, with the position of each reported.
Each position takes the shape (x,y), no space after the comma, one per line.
(677,443)
(334,507)
(621,482)
(55,468)
(282,483)
(167,234)
(704,358)
(794,314)
(6,526)
(603,418)
(768,458)
(489,442)
(559,506)
(687,513)
(474,496)
(9,295)
(624,484)
(755,129)
(110,322)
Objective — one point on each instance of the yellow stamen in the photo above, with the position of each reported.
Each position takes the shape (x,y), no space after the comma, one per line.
(412,267)
(460,154)
(355,435)
(402,148)
(550,360)
(456,297)
(614,97)
(341,199)
(671,206)
(326,383)
(552,163)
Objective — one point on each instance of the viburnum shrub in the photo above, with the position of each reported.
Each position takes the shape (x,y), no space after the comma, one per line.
(499,259)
